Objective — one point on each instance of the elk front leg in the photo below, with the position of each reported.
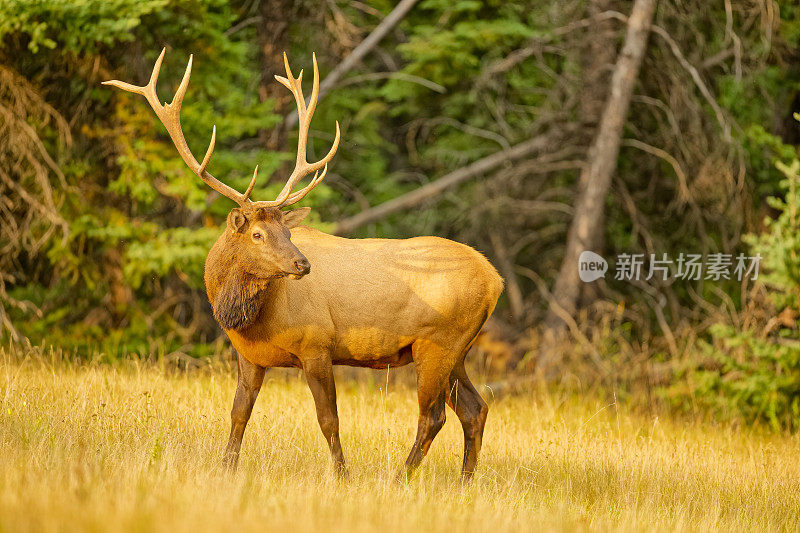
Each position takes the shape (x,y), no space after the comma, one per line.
(319,375)
(250,379)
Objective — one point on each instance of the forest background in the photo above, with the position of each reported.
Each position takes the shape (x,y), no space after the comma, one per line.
(480,121)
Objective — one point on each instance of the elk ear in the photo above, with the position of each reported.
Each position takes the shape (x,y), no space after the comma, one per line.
(236,220)
(294,217)
(236,304)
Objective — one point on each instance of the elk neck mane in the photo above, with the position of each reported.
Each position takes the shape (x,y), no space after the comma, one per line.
(236,296)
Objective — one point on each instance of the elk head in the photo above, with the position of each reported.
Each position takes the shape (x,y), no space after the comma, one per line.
(260,242)
(257,237)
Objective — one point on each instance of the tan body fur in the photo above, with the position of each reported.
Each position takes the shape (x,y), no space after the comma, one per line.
(366,301)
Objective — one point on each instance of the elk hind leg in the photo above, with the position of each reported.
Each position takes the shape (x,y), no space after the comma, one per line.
(431,391)
(471,410)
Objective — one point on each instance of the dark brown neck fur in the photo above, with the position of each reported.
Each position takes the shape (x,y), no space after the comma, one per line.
(235,296)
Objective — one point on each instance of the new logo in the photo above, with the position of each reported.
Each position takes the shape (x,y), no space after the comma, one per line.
(591,266)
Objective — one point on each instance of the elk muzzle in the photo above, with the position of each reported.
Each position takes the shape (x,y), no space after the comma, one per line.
(301,267)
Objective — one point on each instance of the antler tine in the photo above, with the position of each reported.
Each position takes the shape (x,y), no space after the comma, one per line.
(209,151)
(252,184)
(177,100)
(149,90)
(312,102)
(170,117)
(299,195)
(305,114)
(294,84)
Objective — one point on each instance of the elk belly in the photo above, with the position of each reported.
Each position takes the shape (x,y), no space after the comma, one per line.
(373,347)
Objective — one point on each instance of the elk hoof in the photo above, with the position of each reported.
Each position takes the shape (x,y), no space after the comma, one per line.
(466,478)
(402,476)
(341,471)
(230,464)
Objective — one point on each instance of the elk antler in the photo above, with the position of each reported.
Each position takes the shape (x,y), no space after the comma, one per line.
(170,116)
(302,167)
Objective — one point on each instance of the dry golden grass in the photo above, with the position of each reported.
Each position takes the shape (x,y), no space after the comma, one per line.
(130,447)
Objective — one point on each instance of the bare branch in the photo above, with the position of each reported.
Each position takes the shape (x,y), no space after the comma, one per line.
(698,80)
(520,55)
(394,76)
(683,187)
(432,189)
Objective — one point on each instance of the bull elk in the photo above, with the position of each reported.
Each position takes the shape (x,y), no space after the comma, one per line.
(291,296)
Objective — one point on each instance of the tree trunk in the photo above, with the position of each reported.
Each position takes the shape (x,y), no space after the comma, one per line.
(273,38)
(598,63)
(595,179)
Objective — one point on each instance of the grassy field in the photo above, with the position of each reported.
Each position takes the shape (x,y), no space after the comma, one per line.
(137,447)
